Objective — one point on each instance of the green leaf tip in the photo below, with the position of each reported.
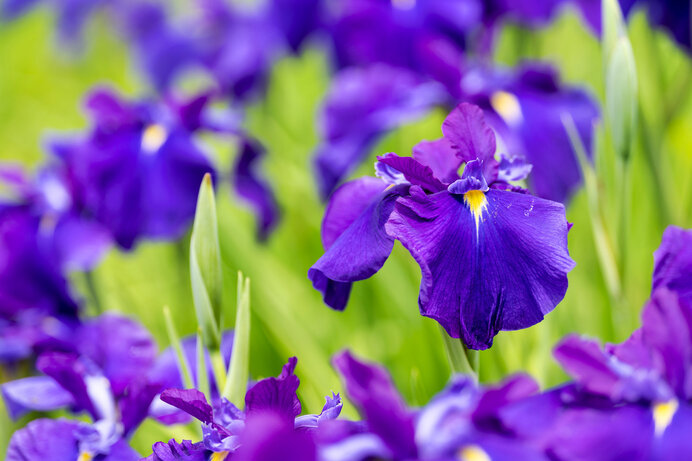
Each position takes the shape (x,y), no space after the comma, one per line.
(205,266)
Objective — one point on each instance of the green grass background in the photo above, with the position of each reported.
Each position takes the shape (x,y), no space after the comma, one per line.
(41,92)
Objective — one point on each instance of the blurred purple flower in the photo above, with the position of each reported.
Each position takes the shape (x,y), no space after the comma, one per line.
(101,370)
(252,188)
(138,171)
(460,422)
(362,106)
(673,263)
(64,440)
(513,246)
(526,108)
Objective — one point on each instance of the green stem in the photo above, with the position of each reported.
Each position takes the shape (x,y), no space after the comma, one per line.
(623,210)
(202,372)
(174,340)
(92,289)
(219,369)
(461,359)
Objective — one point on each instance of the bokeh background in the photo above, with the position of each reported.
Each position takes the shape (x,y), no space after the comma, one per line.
(41,92)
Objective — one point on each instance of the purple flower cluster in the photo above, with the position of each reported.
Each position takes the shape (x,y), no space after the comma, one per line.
(626,401)
(108,369)
(492,256)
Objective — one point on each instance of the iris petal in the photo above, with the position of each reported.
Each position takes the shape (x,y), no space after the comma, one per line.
(506,276)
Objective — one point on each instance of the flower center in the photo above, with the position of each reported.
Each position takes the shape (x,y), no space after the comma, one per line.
(153,138)
(472,453)
(663,414)
(477,203)
(218,456)
(507,105)
(85,456)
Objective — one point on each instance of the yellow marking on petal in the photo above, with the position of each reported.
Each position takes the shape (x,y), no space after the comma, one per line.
(85,456)
(477,203)
(663,414)
(472,453)
(153,137)
(404,4)
(218,456)
(507,105)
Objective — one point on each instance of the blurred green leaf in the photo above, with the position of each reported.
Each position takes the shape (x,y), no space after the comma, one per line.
(205,266)
(621,96)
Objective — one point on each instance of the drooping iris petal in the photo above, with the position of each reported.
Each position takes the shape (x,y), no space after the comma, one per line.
(277,395)
(603,435)
(362,105)
(269,436)
(599,373)
(45,439)
(134,405)
(190,401)
(361,249)
(37,393)
(386,415)
(673,262)
(490,261)
(252,188)
(174,451)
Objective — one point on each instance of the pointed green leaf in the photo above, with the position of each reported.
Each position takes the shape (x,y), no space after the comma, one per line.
(205,266)
(621,96)
(238,372)
(613,27)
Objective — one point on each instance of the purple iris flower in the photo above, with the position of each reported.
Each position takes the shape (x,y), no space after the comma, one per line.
(31,276)
(138,171)
(268,426)
(462,422)
(646,380)
(100,371)
(64,440)
(511,245)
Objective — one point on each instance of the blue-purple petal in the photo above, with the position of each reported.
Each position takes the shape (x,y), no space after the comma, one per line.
(277,395)
(36,393)
(515,255)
